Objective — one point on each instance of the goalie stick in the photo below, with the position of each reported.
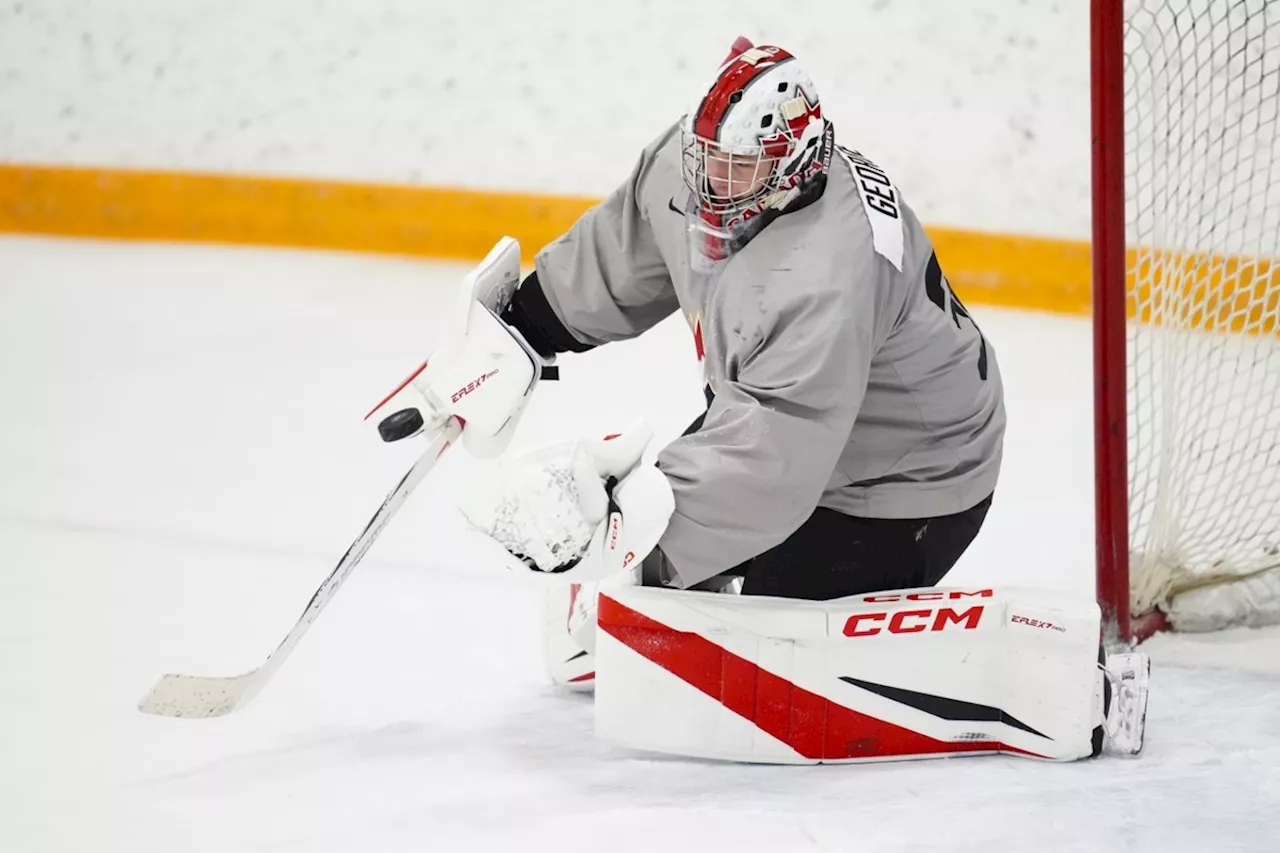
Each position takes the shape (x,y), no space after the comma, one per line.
(197,696)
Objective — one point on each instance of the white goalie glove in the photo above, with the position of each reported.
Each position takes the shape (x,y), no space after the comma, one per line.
(584,510)
(482,372)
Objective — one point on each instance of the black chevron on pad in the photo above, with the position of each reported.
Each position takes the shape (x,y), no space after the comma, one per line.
(942,707)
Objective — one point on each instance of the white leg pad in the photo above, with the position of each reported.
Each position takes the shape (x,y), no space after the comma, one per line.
(568,664)
(906,674)
(569,626)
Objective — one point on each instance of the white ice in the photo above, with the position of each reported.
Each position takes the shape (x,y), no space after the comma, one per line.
(183,460)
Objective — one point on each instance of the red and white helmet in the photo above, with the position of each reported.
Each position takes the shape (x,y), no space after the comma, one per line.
(755,139)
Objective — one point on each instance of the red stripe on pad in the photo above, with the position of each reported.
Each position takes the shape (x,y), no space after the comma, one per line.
(812,725)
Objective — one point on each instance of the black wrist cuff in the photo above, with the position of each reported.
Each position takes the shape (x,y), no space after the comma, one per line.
(530,314)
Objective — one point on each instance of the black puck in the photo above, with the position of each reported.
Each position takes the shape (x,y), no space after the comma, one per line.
(401,424)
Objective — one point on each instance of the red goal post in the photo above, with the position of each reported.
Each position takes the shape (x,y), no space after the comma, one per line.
(1186,313)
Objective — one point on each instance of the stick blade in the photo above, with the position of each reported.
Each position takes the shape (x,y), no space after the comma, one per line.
(198,697)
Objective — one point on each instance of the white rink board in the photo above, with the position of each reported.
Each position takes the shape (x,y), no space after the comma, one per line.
(979,110)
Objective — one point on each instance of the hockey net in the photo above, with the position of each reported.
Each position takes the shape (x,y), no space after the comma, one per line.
(1201,309)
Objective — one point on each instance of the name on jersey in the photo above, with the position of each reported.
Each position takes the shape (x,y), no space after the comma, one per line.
(876,187)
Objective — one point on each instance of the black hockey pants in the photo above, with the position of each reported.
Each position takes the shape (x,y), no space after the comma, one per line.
(833,554)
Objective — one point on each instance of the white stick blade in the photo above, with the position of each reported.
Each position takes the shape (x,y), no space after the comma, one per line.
(197,697)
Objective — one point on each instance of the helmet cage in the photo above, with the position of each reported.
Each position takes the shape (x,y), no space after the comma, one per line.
(761,145)
(729,180)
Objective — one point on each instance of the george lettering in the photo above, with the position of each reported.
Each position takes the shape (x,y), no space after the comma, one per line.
(877,189)
(871,172)
(884,207)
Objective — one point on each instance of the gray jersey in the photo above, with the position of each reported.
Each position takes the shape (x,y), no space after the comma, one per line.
(845,374)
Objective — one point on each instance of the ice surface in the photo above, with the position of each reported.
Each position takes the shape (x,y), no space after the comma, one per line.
(183,460)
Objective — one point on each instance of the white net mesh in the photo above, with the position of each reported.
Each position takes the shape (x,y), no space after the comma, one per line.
(1202,183)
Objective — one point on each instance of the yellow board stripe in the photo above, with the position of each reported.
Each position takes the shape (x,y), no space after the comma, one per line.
(1205,292)
(1040,273)
(149,205)
(1022,272)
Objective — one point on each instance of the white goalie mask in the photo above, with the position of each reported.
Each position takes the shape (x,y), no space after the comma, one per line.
(752,144)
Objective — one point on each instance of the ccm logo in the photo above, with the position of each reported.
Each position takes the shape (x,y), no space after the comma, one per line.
(1036,623)
(912,621)
(932,595)
(471,386)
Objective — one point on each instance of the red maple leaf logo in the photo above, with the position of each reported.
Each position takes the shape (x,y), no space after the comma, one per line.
(779,144)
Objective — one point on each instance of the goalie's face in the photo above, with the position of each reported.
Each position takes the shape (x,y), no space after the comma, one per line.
(734,177)
(724,180)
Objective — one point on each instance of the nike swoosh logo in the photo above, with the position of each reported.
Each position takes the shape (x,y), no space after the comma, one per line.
(671,203)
